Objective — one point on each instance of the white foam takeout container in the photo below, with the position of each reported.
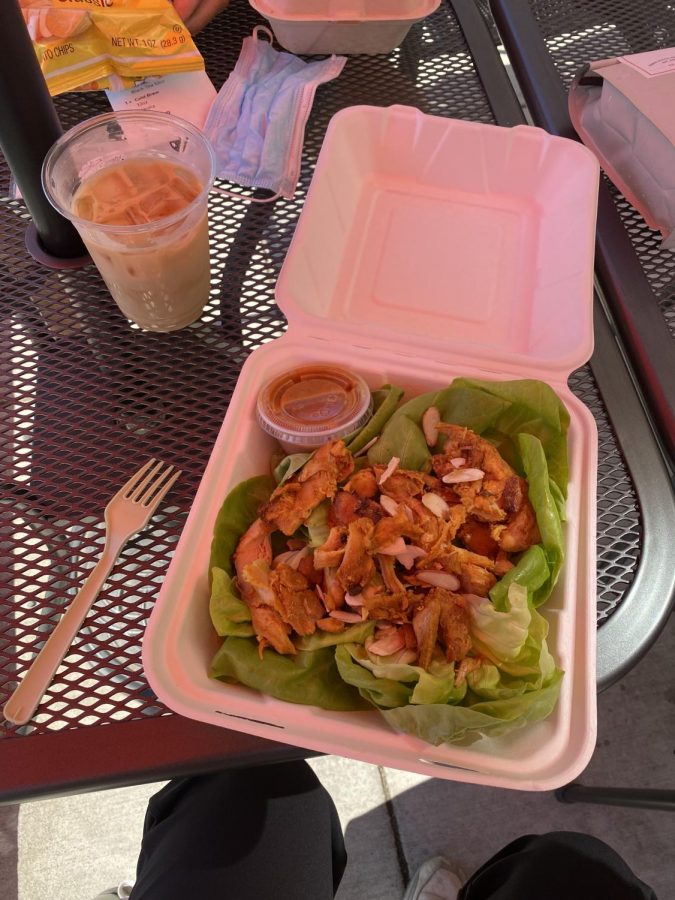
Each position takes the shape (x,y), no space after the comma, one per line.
(427,249)
(343,26)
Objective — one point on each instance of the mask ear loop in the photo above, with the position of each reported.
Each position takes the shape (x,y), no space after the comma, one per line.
(257,31)
(236,196)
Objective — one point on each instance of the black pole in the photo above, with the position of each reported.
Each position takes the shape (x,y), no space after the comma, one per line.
(29,126)
(640,798)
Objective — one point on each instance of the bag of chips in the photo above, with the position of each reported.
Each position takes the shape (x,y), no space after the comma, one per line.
(100,44)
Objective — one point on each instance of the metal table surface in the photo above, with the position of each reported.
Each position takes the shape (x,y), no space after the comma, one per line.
(85,399)
(548,43)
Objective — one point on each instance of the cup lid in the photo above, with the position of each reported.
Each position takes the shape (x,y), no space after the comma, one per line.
(314,404)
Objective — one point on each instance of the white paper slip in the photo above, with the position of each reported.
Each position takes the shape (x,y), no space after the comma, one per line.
(652,63)
(185,94)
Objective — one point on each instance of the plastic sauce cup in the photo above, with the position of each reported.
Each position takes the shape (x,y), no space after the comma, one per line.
(312,405)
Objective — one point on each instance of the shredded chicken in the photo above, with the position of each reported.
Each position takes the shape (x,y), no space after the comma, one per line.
(294,600)
(272,631)
(425,622)
(357,566)
(292,503)
(363,483)
(347,507)
(255,544)
(390,528)
(454,635)
(330,553)
(394,536)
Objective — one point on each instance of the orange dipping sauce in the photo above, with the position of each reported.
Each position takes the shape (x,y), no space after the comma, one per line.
(311,405)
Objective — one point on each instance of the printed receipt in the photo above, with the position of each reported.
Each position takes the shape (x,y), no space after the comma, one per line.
(185,94)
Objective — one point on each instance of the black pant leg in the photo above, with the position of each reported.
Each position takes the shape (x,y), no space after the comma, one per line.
(561,865)
(247,834)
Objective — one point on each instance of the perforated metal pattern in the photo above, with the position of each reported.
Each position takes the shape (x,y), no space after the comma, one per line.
(89,399)
(578,32)
(619,525)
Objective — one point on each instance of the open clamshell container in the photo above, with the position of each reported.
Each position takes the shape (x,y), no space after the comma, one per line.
(428,249)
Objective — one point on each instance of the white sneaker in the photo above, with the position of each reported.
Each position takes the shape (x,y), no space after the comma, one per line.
(121,892)
(434,880)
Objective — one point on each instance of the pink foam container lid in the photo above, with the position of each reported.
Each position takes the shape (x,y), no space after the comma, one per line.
(427,249)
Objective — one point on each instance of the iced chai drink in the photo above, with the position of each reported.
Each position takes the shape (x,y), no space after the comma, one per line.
(160,283)
(142,213)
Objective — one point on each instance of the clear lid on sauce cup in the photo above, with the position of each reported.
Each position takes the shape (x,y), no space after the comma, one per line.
(311,405)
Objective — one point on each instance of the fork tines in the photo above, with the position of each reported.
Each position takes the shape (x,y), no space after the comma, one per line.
(151,483)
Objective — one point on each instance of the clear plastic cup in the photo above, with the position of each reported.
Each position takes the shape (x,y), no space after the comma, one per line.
(311,405)
(152,253)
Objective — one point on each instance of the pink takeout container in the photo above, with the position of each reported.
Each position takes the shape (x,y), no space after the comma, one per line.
(343,26)
(428,248)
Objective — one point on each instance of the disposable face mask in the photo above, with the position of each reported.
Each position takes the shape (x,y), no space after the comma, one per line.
(257,122)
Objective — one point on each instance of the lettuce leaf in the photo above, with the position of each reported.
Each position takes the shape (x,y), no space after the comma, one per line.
(389,684)
(402,436)
(385,402)
(309,678)
(289,465)
(545,506)
(447,724)
(508,408)
(513,639)
(518,684)
(497,410)
(318,528)
(229,614)
(321,639)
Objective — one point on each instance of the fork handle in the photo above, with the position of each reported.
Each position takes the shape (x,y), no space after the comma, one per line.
(25,699)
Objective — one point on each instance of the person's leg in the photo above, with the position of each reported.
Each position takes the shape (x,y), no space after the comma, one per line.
(561,865)
(271,831)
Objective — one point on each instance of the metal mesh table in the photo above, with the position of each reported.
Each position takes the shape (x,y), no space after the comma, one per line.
(86,399)
(576,33)
(548,43)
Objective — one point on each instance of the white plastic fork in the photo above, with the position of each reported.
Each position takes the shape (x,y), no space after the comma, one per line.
(128,512)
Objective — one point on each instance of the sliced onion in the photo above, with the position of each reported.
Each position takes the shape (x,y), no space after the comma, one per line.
(292,558)
(320,592)
(430,422)
(436,504)
(391,468)
(408,513)
(458,461)
(387,645)
(393,549)
(440,579)
(388,505)
(343,616)
(463,475)
(353,599)
(366,447)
